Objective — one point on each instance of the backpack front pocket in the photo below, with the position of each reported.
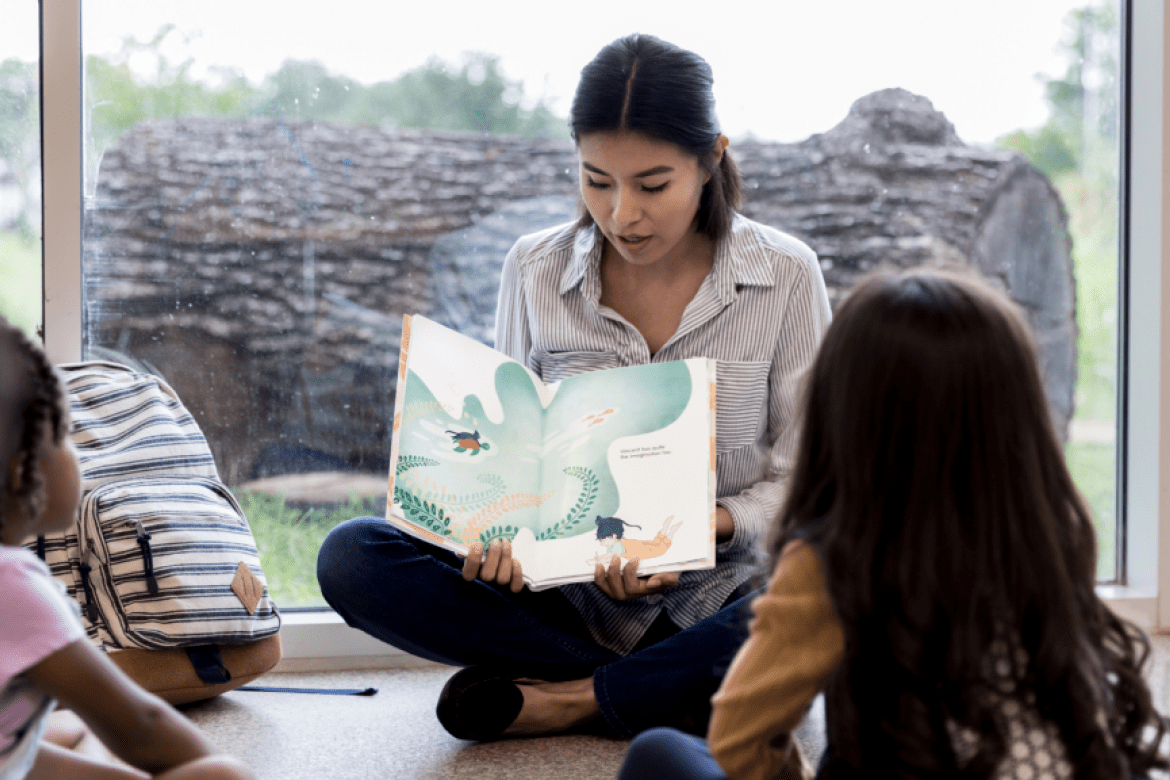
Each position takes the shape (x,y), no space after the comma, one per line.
(171,562)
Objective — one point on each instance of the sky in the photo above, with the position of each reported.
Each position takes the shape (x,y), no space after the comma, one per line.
(784,69)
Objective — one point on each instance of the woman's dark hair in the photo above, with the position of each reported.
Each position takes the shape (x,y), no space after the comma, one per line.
(612,526)
(931,481)
(645,85)
(30,396)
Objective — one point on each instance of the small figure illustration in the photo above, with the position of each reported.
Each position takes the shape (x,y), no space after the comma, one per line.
(465,441)
(610,532)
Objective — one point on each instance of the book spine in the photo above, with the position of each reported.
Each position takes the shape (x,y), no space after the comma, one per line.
(399,394)
(712,483)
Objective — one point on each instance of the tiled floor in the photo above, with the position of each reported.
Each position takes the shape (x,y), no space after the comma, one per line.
(394,734)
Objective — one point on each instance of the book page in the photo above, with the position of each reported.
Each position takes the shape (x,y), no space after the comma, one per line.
(466,444)
(483,450)
(633,475)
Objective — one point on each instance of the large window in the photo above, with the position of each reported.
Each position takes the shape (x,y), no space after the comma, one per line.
(266,195)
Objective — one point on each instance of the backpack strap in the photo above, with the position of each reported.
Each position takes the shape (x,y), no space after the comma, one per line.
(334,691)
(209,664)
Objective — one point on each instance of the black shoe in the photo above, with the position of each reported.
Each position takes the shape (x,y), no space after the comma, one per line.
(479,703)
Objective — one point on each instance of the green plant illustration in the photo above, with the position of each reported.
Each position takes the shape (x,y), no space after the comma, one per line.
(407,462)
(471,501)
(497,532)
(424,513)
(419,504)
(589,486)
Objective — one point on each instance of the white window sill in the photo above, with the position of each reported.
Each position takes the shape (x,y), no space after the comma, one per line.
(321,641)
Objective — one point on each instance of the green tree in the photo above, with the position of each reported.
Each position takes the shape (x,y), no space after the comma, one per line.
(1082,128)
(117,99)
(304,89)
(474,96)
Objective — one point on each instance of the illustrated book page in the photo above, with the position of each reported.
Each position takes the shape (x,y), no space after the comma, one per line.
(618,462)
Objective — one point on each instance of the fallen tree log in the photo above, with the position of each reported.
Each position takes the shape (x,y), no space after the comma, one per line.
(264,267)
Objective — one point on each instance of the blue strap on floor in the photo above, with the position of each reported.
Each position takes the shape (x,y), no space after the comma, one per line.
(334,691)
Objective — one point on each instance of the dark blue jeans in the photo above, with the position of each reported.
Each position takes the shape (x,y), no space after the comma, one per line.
(411,594)
(666,753)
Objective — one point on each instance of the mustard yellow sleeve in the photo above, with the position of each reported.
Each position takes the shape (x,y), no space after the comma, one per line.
(795,645)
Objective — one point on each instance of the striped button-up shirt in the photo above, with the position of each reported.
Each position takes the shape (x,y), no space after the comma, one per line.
(760,313)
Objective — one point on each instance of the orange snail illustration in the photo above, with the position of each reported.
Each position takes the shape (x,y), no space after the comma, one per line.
(468,441)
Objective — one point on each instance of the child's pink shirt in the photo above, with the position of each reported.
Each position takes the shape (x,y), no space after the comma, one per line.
(37,618)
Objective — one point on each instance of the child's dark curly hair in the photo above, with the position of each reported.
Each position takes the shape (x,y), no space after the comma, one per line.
(30,396)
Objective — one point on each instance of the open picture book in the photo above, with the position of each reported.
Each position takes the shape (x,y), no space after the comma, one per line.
(618,462)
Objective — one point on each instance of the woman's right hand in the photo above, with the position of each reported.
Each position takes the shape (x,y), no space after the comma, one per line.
(624,584)
(497,567)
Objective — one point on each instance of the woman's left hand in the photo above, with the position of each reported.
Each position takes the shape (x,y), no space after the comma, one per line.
(624,584)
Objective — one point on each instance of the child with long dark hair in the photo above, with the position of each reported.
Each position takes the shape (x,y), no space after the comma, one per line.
(933,570)
(45,657)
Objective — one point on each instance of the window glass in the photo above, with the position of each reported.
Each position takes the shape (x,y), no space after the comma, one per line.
(267,194)
(20,169)
(1078,149)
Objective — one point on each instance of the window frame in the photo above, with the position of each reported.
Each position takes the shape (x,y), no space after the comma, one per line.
(321,640)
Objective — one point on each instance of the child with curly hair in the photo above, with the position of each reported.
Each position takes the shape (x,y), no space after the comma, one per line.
(45,657)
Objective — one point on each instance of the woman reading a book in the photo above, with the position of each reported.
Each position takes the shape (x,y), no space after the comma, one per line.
(659,267)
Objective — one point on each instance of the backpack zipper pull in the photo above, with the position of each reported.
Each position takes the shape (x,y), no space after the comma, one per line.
(147,558)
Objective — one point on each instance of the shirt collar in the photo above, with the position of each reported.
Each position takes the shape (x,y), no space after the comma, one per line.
(584,266)
(740,259)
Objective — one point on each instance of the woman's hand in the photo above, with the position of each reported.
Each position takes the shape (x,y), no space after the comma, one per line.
(724,524)
(498,567)
(625,584)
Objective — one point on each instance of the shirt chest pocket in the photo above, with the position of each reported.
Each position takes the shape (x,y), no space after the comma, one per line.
(555,366)
(741,403)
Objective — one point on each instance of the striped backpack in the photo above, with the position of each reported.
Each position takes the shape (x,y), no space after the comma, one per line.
(162,560)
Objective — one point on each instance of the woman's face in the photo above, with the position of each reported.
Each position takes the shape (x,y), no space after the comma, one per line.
(643,193)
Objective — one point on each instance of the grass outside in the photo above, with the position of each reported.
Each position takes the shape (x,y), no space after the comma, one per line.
(288,538)
(1094,470)
(20,280)
(1092,210)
